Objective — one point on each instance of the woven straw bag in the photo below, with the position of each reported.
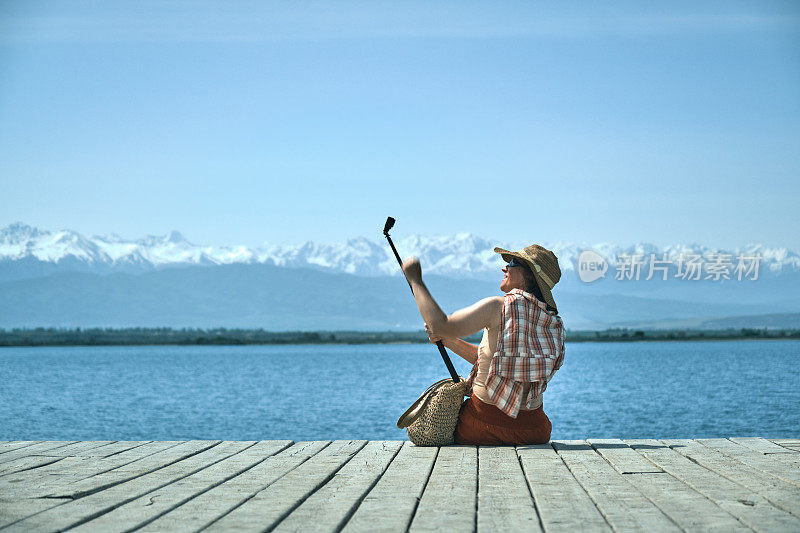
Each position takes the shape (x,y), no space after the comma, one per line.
(432,418)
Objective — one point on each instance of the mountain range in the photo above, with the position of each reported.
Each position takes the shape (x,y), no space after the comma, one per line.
(64,278)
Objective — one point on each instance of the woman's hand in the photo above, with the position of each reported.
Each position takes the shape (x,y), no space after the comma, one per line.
(462,348)
(412,269)
(431,335)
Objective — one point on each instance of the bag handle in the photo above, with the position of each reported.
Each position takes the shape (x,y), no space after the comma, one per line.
(414,412)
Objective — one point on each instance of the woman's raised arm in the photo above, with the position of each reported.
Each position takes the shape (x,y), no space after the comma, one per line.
(466,321)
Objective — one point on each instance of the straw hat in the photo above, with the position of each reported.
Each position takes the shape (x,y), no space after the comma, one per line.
(544,265)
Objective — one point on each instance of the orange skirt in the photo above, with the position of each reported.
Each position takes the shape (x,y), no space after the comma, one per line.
(485,424)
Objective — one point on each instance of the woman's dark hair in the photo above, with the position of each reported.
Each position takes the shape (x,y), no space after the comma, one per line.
(533,288)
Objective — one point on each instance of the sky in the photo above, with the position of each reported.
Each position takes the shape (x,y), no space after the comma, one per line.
(281,122)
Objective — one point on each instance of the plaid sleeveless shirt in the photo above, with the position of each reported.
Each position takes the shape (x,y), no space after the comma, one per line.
(529,350)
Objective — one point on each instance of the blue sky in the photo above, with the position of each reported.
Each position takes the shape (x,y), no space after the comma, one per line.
(246,122)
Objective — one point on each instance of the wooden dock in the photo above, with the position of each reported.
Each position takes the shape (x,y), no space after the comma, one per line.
(599,484)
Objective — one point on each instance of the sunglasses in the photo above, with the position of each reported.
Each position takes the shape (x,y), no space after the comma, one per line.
(514,263)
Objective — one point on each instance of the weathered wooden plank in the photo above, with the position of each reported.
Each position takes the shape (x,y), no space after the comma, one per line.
(22,464)
(16,444)
(328,508)
(77,448)
(75,512)
(779,461)
(454,480)
(788,444)
(146,508)
(504,501)
(14,509)
(34,449)
(760,445)
(772,464)
(622,505)
(220,500)
(24,492)
(129,469)
(271,505)
(107,450)
(26,499)
(786,441)
(122,453)
(47,457)
(391,504)
(743,503)
(55,477)
(561,501)
(31,457)
(779,492)
(684,505)
(791,460)
(622,457)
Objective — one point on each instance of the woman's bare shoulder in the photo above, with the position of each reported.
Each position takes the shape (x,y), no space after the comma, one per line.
(474,318)
(493,300)
(487,306)
(494,306)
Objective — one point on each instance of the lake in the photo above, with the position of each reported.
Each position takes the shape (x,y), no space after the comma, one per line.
(319,392)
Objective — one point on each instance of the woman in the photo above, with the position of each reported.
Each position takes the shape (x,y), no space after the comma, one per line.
(522,347)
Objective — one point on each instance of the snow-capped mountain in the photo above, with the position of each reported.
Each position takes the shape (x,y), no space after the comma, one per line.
(63,278)
(27,252)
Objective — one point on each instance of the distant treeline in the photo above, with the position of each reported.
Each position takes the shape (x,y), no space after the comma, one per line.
(190,336)
(223,336)
(625,334)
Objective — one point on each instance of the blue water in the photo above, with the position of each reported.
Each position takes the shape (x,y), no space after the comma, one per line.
(627,390)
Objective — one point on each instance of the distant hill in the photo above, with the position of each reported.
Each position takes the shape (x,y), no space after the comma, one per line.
(773,320)
(279,299)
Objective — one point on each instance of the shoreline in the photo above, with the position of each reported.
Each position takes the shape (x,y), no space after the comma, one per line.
(221,337)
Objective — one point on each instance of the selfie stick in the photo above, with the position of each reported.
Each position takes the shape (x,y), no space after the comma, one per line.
(445,357)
